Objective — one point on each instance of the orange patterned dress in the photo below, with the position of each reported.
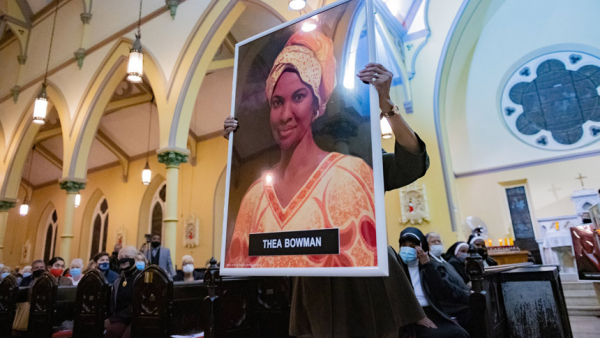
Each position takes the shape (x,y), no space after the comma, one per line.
(339,193)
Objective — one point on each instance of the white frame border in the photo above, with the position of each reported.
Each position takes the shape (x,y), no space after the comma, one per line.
(380,221)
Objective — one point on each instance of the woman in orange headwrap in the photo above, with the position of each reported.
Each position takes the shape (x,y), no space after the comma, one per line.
(308,188)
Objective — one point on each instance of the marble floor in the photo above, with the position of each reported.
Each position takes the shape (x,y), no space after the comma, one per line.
(585,326)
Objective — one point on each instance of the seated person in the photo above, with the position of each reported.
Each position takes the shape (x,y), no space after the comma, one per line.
(121,308)
(187,274)
(457,307)
(5,271)
(76,270)
(56,269)
(37,269)
(432,287)
(479,244)
(456,256)
(101,260)
(140,261)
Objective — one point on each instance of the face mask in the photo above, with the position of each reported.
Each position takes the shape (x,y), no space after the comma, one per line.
(188,268)
(437,250)
(140,265)
(462,256)
(104,266)
(37,273)
(5,274)
(131,262)
(56,272)
(75,272)
(155,244)
(408,254)
(482,252)
(26,274)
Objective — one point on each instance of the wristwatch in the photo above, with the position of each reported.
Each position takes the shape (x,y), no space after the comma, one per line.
(395,111)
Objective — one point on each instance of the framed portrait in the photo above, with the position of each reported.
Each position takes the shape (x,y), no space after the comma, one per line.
(304,189)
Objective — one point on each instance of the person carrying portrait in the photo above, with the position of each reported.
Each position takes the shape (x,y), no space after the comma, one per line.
(342,306)
(118,325)
(433,287)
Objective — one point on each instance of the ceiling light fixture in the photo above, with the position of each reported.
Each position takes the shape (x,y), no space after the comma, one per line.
(147,173)
(297,5)
(24,208)
(135,67)
(41,101)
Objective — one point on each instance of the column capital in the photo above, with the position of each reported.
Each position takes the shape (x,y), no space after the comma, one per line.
(6,205)
(85,18)
(173,158)
(72,185)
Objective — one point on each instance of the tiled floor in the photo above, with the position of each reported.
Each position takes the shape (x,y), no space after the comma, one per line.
(585,326)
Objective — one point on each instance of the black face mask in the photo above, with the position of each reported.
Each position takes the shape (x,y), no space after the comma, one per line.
(37,273)
(155,244)
(115,253)
(131,262)
(483,252)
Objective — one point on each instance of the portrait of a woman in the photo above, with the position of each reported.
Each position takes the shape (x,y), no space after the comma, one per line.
(308,188)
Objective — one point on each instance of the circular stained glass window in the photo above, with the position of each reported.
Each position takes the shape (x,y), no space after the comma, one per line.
(553,101)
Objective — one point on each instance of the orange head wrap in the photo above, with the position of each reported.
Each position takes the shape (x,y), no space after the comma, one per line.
(311,55)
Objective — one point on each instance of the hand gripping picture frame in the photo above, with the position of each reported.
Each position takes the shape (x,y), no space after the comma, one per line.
(304,189)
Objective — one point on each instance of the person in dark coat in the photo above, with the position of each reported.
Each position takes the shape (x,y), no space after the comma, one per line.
(455,307)
(479,243)
(37,269)
(434,287)
(188,273)
(103,263)
(360,306)
(114,258)
(118,324)
(456,256)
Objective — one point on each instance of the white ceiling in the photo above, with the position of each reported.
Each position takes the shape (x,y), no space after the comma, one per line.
(37,5)
(213,104)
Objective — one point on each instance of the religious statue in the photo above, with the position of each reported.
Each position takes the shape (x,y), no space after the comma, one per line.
(413,203)
(191,233)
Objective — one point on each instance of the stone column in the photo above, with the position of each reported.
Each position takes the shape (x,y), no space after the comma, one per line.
(5,206)
(172,159)
(72,188)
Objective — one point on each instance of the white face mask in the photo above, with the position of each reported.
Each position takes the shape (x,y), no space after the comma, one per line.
(437,250)
(188,268)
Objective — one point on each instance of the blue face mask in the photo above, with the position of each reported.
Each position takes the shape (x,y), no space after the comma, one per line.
(104,266)
(408,254)
(75,272)
(26,274)
(5,274)
(140,265)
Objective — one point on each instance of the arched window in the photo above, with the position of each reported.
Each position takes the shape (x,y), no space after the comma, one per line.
(157,210)
(50,239)
(99,228)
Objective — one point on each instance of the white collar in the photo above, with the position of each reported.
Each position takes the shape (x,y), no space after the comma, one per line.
(439,259)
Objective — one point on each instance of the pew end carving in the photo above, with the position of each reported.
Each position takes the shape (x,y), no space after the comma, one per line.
(8,304)
(152,303)
(91,305)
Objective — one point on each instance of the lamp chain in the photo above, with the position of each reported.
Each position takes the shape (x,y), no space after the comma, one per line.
(139,31)
(51,41)
(149,128)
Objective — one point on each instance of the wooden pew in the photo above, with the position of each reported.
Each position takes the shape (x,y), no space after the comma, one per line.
(10,295)
(274,296)
(49,306)
(152,304)
(517,301)
(91,305)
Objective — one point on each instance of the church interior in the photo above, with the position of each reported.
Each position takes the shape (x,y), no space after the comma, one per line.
(505,94)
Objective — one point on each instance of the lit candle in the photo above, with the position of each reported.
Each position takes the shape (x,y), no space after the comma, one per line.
(500,242)
(512,241)
(489,242)
(556,223)
(506,241)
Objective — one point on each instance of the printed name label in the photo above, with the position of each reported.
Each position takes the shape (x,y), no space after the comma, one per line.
(305,242)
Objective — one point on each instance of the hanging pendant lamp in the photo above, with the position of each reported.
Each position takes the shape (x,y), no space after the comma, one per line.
(135,67)
(41,102)
(24,208)
(296,5)
(147,173)
(77,200)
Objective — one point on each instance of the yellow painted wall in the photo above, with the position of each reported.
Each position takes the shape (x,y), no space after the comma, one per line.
(483,196)
(124,201)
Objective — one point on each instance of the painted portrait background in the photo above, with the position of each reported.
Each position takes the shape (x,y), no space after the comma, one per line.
(344,127)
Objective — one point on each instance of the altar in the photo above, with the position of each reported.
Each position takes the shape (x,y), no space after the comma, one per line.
(554,241)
